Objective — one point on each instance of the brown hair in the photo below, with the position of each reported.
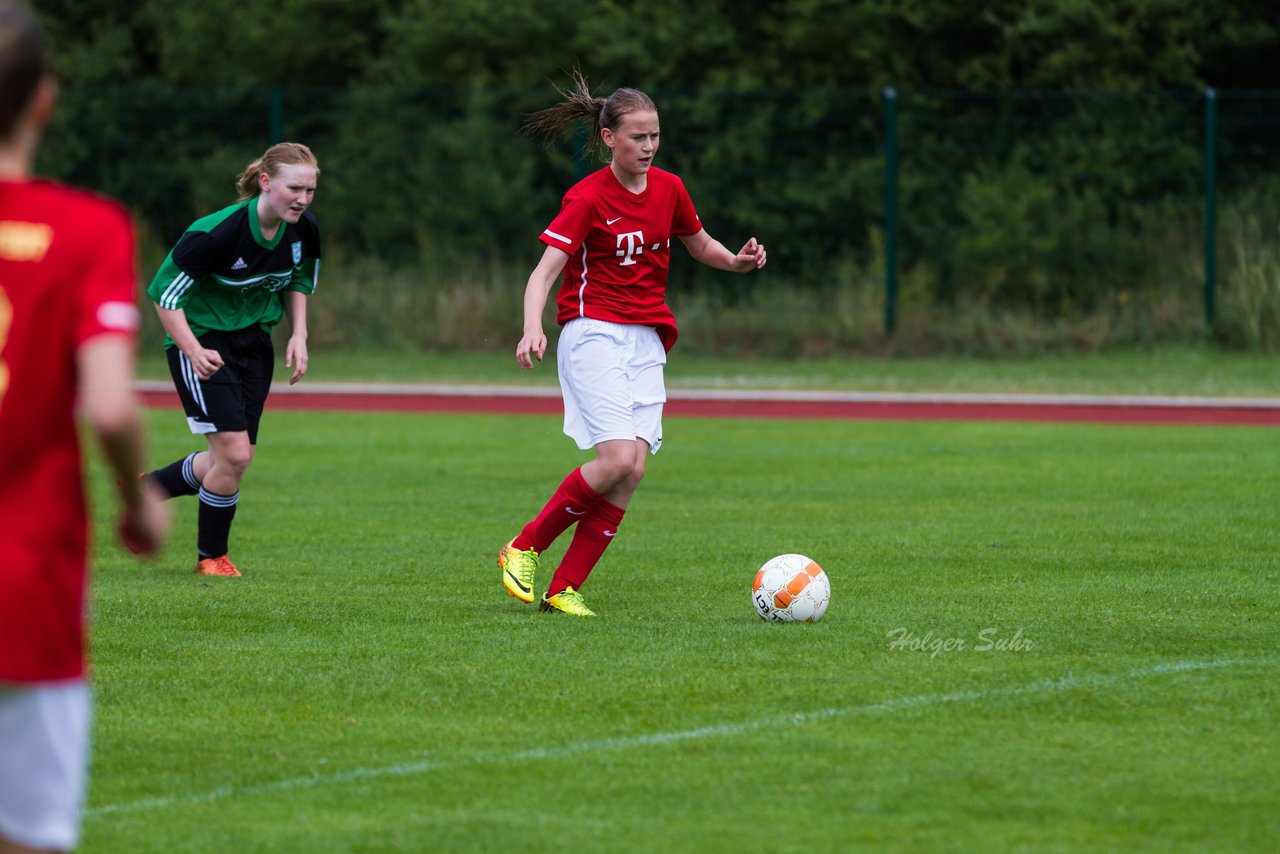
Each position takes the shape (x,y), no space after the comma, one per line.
(278,155)
(579,103)
(23,62)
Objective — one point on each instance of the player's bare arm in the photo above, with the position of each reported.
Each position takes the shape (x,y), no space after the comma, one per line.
(533,343)
(105,368)
(295,353)
(205,362)
(707,250)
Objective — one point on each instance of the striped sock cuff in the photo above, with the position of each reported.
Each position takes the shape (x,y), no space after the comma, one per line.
(189,472)
(213,499)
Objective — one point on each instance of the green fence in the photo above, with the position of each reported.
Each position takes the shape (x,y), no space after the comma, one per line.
(911,219)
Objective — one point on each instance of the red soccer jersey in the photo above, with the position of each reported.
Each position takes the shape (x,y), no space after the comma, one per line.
(619,246)
(67,274)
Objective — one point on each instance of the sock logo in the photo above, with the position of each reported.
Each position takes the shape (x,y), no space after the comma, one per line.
(573,512)
(610,533)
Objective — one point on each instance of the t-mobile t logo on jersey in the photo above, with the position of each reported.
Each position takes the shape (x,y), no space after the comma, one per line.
(634,243)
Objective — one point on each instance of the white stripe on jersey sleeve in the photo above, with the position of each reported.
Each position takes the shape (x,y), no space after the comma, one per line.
(559,237)
(172,294)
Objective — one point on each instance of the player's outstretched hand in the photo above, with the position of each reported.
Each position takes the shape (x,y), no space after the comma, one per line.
(143,528)
(750,257)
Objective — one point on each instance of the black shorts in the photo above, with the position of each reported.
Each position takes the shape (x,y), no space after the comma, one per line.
(232,399)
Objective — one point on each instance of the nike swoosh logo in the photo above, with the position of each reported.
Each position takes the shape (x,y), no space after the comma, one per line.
(523,589)
(612,221)
(611,533)
(575,512)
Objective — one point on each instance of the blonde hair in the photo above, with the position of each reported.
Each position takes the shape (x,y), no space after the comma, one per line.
(279,155)
(579,103)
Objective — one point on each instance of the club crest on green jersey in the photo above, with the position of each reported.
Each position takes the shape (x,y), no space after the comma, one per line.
(297,252)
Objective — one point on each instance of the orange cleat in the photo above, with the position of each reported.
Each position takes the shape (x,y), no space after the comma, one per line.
(216,566)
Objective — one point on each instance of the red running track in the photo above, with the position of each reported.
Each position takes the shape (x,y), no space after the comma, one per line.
(719,404)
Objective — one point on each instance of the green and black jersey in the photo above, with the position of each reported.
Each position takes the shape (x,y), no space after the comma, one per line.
(225,275)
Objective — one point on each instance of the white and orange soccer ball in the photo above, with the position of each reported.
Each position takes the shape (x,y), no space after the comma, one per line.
(791,588)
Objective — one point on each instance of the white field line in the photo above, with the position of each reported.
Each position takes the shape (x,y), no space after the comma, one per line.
(427,766)
(798,396)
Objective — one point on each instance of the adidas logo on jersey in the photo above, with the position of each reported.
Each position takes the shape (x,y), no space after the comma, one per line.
(239,265)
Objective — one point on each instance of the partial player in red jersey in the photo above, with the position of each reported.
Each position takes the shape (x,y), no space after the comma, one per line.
(610,249)
(67,323)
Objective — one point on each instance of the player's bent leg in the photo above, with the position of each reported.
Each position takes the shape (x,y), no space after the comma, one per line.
(178,478)
(231,454)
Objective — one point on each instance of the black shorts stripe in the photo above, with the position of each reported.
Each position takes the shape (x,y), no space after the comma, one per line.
(192,382)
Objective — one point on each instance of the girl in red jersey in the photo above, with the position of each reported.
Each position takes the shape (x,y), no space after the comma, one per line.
(68,318)
(610,247)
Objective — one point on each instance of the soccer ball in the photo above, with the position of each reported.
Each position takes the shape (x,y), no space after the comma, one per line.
(791,588)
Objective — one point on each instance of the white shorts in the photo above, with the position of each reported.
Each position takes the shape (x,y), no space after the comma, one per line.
(611,379)
(44,760)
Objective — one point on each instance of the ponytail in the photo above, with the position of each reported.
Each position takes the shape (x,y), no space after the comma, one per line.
(578,103)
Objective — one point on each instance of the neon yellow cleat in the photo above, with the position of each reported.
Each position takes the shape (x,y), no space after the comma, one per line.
(569,601)
(517,571)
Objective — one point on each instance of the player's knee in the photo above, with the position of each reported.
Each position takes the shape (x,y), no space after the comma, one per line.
(615,472)
(625,475)
(235,459)
(616,461)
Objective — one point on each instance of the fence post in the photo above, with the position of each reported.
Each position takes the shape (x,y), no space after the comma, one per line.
(1210,202)
(890,208)
(277,114)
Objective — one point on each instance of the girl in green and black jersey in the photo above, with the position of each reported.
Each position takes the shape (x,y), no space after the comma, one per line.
(226,283)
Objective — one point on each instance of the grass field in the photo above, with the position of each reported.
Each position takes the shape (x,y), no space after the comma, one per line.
(1164,371)
(1041,637)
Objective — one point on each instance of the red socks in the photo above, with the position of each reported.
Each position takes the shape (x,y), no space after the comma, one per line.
(572,502)
(594,533)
